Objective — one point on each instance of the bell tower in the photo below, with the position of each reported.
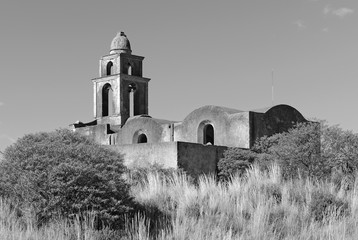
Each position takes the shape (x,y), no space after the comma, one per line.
(120,91)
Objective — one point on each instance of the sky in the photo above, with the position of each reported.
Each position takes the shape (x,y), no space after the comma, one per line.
(197,53)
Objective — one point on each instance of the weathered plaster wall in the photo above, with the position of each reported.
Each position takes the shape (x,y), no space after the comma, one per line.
(115,59)
(120,64)
(231,127)
(96,132)
(238,133)
(155,131)
(277,119)
(194,158)
(144,154)
(198,159)
(134,61)
(98,85)
(140,96)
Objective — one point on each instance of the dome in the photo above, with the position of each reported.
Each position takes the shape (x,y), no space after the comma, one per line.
(120,44)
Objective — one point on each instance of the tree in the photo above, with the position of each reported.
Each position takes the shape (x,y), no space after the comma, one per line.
(67,173)
(296,151)
(339,147)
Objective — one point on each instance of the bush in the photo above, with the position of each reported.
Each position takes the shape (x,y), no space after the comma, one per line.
(297,151)
(325,204)
(235,161)
(65,173)
(339,148)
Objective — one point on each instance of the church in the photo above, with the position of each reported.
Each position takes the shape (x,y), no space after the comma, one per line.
(195,144)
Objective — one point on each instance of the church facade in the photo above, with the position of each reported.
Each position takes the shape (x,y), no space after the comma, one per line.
(121,120)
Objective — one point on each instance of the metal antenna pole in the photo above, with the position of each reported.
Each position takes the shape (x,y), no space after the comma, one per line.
(272,87)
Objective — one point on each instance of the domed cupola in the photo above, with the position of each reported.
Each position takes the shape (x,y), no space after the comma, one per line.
(120,44)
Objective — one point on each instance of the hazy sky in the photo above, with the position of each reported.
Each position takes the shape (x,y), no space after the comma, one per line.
(196,53)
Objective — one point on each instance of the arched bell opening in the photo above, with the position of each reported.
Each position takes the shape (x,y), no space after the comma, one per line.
(107,100)
(206,133)
(109,68)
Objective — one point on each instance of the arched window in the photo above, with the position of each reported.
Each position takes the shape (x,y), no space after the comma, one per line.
(208,134)
(139,137)
(107,99)
(109,68)
(129,69)
(131,89)
(142,138)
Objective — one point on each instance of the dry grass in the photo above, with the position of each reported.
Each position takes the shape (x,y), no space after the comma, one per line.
(16,225)
(260,206)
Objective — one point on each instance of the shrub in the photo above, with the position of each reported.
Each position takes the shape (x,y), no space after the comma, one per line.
(339,148)
(297,151)
(65,173)
(235,161)
(324,204)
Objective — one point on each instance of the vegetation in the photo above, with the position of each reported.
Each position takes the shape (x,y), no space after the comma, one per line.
(297,151)
(261,205)
(310,150)
(62,173)
(235,161)
(295,185)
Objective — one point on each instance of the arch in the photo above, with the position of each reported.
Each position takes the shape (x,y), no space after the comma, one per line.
(206,133)
(129,69)
(142,138)
(107,98)
(109,68)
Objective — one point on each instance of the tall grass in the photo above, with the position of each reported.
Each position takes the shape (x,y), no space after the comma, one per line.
(259,206)
(20,225)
